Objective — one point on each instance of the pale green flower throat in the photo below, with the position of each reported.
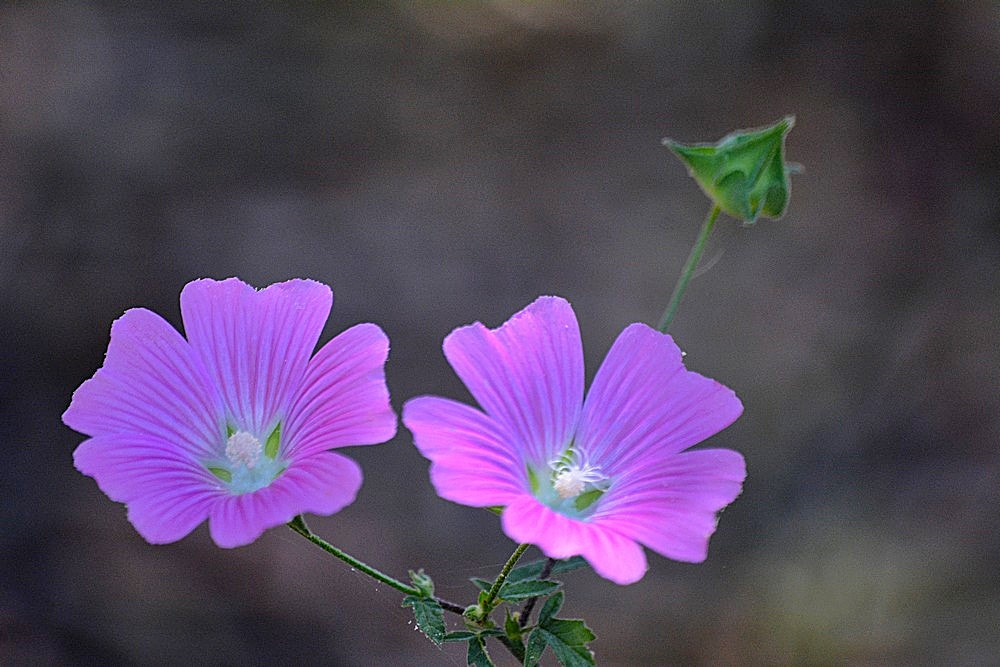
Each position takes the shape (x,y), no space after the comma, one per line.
(249,465)
(568,483)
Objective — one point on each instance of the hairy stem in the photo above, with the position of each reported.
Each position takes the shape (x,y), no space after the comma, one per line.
(502,577)
(298,524)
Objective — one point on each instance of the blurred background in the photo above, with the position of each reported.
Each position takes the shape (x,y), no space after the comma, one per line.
(439,163)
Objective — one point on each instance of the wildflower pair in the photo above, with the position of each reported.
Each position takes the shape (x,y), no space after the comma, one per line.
(235,423)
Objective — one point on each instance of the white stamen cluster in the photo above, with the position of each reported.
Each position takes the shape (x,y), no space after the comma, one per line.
(571,476)
(243,448)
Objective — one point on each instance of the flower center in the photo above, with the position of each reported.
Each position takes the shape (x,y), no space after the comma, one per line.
(244,449)
(249,464)
(570,481)
(571,485)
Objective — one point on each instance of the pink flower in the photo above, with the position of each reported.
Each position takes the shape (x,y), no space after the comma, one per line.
(596,478)
(233,424)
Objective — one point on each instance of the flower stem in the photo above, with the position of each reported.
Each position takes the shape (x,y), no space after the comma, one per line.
(502,577)
(298,524)
(689,268)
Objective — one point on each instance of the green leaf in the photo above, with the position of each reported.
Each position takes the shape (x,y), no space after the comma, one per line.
(745,173)
(522,590)
(477,656)
(550,608)
(515,646)
(536,646)
(568,639)
(482,584)
(534,570)
(429,615)
(458,636)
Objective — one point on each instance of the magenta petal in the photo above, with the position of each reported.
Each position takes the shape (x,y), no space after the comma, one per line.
(671,505)
(527,374)
(167,494)
(472,461)
(343,399)
(127,466)
(152,384)
(644,400)
(612,555)
(323,483)
(255,344)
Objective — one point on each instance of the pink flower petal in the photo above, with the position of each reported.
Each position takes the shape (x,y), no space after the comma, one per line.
(255,344)
(320,484)
(527,374)
(642,411)
(152,384)
(643,400)
(472,461)
(343,399)
(612,555)
(167,493)
(160,407)
(671,505)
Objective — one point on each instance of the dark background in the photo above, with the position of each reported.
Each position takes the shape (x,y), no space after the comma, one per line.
(442,162)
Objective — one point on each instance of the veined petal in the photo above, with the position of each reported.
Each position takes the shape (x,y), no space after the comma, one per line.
(152,383)
(472,460)
(127,466)
(611,554)
(343,399)
(255,344)
(643,399)
(671,505)
(323,483)
(167,494)
(527,374)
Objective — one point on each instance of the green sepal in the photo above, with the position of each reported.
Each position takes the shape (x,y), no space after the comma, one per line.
(533,480)
(496,509)
(484,595)
(477,655)
(744,173)
(587,498)
(423,583)
(221,473)
(511,627)
(429,616)
(273,443)
(472,615)
(531,588)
